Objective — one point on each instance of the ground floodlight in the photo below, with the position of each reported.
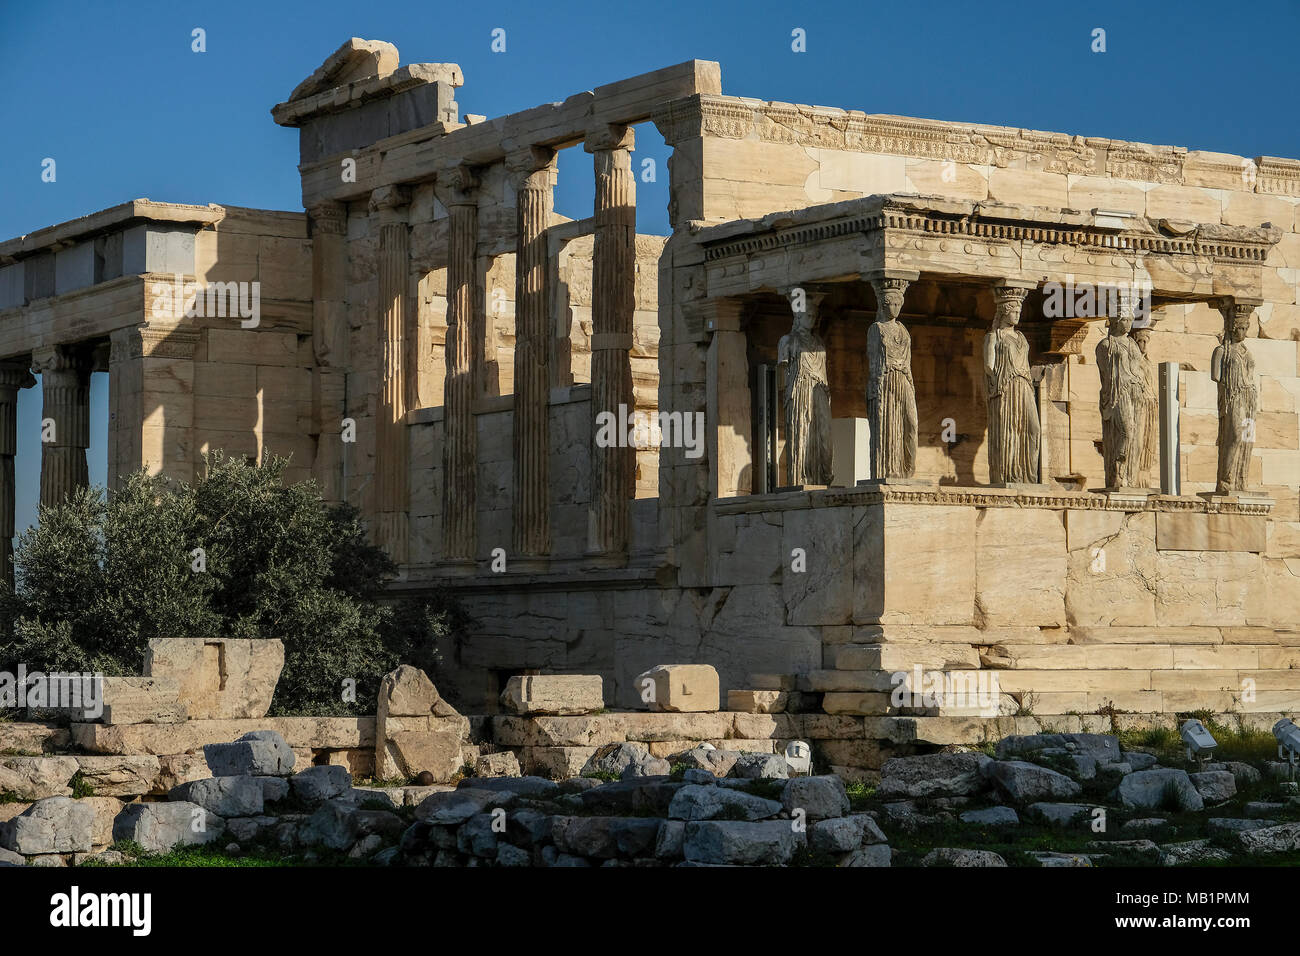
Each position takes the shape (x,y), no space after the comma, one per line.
(1288,740)
(799,756)
(1200,743)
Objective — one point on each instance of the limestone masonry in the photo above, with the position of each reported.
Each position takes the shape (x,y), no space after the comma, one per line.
(927,450)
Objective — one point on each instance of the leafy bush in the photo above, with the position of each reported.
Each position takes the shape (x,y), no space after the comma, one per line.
(96,579)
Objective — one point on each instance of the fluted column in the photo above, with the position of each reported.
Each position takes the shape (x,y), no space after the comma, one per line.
(392,466)
(329,339)
(65,420)
(459,447)
(612,303)
(13,377)
(534,172)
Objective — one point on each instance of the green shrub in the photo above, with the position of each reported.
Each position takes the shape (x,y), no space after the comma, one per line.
(96,579)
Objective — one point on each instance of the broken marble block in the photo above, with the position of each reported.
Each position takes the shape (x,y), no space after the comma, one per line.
(218,678)
(683,688)
(564,695)
(260,753)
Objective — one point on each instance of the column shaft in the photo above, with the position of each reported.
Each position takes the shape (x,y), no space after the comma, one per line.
(329,344)
(613,302)
(392,496)
(532,527)
(12,379)
(459,439)
(65,421)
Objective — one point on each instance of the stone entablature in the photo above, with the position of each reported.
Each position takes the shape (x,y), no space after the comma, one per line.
(733,117)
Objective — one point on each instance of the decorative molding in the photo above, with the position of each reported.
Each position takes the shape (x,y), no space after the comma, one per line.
(730,117)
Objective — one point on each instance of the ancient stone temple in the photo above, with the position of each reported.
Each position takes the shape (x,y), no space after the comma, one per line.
(1036,419)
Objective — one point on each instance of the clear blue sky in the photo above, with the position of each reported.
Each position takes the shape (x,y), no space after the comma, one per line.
(114,94)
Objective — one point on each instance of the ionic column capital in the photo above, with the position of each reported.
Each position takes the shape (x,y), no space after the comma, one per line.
(533,167)
(329,218)
(458,185)
(15,375)
(609,137)
(60,358)
(392,203)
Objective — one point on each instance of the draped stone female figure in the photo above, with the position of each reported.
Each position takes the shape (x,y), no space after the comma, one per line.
(891,393)
(1012,404)
(1233,367)
(1148,439)
(807,399)
(1123,384)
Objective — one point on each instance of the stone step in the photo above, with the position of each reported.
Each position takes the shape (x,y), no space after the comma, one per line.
(328,733)
(899,657)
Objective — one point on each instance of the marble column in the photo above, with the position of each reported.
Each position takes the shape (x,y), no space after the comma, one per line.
(534,174)
(459,447)
(613,301)
(65,420)
(13,377)
(392,465)
(329,339)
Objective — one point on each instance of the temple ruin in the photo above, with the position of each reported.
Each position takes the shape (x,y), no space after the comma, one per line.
(1102,510)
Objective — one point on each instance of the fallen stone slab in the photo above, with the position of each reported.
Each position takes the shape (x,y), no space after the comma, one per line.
(957,856)
(1228,826)
(1023,782)
(755,766)
(1053,859)
(640,795)
(503,764)
(34,778)
(553,694)
(876,855)
(218,677)
(1102,748)
(1192,851)
(50,825)
(119,776)
(225,796)
(1243,773)
(615,758)
(1060,814)
(158,827)
(836,835)
(992,816)
(1144,850)
(690,688)
(1214,786)
(317,784)
(1139,761)
(32,738)
(1155,789)
(820,798)
(1143,824)
(763,843)
(933,775)
(304,733)
(456,806)
(693,802)
(260,753)
(1281,838)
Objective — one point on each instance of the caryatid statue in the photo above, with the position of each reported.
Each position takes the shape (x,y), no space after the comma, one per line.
(891,393)
(807,397)
(1148,464)
(1014,434)
(1123,387)
(1233,368)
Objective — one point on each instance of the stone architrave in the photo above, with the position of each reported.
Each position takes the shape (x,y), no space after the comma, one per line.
(891,393)
(807,397)
(1233,368)
(1123,385)
(1148,440)
(1014,433)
